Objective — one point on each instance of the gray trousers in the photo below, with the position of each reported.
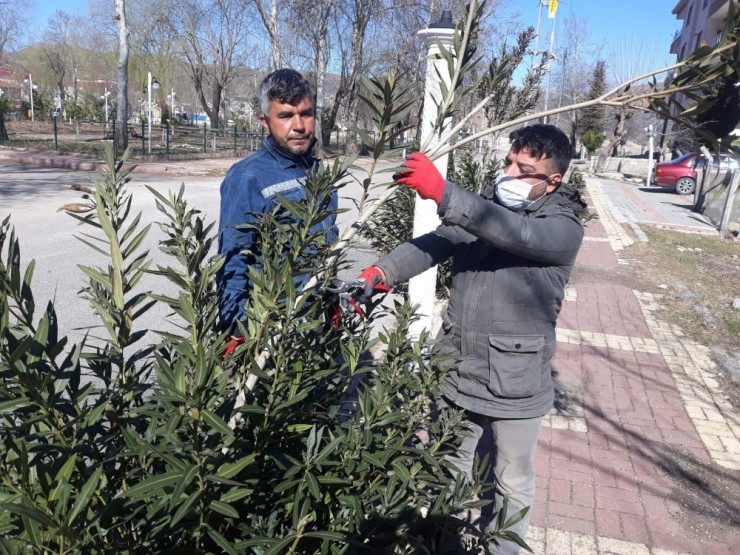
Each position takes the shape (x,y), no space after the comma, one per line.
(512,458)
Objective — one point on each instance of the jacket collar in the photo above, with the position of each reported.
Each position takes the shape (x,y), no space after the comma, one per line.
(563,197)
(286,159)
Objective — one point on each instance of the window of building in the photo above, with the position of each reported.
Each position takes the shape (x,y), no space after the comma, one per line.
(704,5)
(688,17)
(719,37)
(698,41)
(683,53)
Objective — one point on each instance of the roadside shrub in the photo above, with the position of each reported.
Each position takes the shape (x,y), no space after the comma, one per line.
(298,443)
(592,141)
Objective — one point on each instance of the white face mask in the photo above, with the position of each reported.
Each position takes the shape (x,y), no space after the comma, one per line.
(513,193)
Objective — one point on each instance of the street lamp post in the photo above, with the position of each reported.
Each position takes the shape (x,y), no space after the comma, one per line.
(31,86)
(651,134)
(155,84)
(172,100)
(105,96)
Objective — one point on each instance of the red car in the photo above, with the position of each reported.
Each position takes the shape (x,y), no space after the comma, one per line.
(681,175)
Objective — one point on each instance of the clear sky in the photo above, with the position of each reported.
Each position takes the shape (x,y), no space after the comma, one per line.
(44,9)
(613,22)
(610,21)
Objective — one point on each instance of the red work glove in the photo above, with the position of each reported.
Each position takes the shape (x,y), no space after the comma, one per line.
(231,344)
(422,177)
(374,281)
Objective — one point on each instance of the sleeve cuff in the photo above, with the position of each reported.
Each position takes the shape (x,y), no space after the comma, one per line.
(446,196)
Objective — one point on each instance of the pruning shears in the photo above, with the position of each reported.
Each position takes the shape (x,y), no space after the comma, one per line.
(350,293)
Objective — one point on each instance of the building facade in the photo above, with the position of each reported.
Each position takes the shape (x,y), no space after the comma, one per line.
(703,23)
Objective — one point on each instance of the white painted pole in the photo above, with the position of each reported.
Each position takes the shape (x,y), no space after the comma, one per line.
(149,110)
(105,95)
(422,287)
(548,63)
(30,86)
(651,146)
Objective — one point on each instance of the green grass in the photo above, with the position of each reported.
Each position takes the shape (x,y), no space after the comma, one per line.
(705,266)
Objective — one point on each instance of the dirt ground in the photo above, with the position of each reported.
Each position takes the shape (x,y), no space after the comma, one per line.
(698,278)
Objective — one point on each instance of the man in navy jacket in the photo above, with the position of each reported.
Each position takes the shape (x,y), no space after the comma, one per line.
(255,184)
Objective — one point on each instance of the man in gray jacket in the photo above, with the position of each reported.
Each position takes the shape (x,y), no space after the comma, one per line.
(513,249)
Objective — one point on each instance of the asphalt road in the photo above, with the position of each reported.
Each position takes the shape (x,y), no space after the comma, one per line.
(32,197)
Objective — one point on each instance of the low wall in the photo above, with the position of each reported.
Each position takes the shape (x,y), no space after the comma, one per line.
(630,166)
(712,197)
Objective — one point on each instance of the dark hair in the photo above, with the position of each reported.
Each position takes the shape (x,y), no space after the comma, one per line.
(544,141)
(286,86)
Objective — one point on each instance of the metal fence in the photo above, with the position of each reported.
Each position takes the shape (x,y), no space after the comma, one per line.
(91,137)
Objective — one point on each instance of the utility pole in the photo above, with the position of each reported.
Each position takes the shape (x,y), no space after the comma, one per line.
(150,83)
(551,12)
(30,89)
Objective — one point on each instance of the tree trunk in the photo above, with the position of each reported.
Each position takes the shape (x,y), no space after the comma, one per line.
(121,138)
(3,130)
(271,24)
(359,28)
(323,127)
(619,132)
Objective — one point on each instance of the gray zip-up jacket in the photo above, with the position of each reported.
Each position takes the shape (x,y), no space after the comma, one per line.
(509,274)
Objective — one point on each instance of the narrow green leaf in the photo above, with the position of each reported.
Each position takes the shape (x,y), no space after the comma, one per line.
(84,496)
(232,469)
(216,422)
(63,476)
(280,547)
(224,509)
(402,472)
(516,517)
(187,478)
(222,542)
(10,406)
(29,512)
(153,484)
(313,486)
(185,508)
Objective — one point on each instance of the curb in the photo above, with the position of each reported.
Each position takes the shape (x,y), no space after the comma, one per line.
(46,160)
(79,163)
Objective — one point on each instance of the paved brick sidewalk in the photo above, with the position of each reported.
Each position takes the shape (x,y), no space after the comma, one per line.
(633,394)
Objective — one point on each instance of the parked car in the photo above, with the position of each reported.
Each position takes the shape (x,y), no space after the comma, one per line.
(681,174)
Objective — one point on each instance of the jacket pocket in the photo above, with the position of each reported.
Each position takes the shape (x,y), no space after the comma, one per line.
(514,364)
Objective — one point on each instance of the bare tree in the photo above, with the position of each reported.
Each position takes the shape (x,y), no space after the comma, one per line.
(270,21)
(66,50)
(629,57)
(575,67)
(311,27)
(213,37)
(13,21)
(354,16)
(121,137)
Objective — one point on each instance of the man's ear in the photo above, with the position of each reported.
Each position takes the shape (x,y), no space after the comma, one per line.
(263,121)
(553,182)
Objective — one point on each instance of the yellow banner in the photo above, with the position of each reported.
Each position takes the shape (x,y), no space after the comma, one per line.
(552,9)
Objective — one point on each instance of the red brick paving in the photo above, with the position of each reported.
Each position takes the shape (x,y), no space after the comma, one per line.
(604,308)
(598,254)
(607,481)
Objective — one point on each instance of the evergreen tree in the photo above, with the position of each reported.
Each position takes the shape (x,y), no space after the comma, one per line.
(593,116)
